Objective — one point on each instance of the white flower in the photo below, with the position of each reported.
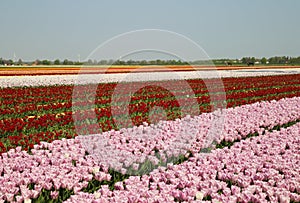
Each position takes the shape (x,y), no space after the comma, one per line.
(27,201)
(67,155)
(97,195)
(96,169)
(199,196)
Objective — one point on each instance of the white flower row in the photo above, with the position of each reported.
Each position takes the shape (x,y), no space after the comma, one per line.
(45,80)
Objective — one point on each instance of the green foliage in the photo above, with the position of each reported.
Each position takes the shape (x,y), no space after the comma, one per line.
(275,60)
(67,62)
(57,62)
(264,60)
(46,62)
(45,196)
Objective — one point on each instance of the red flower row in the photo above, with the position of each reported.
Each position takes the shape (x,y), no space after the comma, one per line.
(32,114)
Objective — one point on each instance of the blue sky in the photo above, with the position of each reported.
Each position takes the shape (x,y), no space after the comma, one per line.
(35,29)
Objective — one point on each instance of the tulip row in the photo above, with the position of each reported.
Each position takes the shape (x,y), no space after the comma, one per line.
(59,169)
(28,113)
(41,100)
(45,97)
(168,139)
(22,100)
(260,169)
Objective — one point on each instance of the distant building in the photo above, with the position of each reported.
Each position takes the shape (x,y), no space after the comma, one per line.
(35,63)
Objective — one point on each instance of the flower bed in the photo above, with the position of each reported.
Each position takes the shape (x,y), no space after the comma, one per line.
(29,115)
(160,143)
(62,168)
(260,169)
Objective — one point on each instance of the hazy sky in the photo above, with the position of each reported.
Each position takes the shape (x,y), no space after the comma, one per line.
(35,29)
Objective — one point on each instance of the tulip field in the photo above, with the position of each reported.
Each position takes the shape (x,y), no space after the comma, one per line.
(46,155)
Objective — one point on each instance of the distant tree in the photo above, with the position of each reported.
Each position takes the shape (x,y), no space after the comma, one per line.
(103,62)
(6,62)
(263,60)
(57,62)
(245,60)
(130,62)
(152,62)
(65,62)
(179,62)
(144,62)
(119,62)
(278,60)
(78,63)
(295,61)
(46,62)
(89,62)
(20,62)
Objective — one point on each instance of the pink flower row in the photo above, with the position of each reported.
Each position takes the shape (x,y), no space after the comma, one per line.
(51,165)
(129,148)
(259,169)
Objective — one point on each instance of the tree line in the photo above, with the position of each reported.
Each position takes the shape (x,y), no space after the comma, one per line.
(276,60)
